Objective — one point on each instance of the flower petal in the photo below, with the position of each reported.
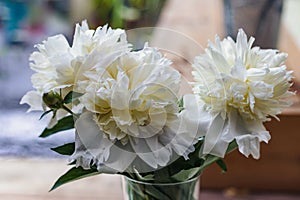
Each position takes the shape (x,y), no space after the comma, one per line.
(34,100)
(214,143)
(91,138)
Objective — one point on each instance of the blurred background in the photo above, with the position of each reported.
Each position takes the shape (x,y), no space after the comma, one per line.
(28,168)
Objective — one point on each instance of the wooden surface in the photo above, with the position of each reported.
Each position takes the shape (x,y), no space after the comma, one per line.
(31,179)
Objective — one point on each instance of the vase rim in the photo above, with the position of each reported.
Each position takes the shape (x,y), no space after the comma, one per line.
(161,184)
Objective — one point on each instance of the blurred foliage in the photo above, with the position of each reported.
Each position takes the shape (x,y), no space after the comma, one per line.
(126,13)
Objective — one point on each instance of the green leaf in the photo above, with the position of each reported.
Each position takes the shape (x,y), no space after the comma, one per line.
(62,125)
(140,177)
(66,149)
(231,147)
(222,165)
(186,174)
(72,96)
(45,113)
(180,104)
(74,174)
(210,159)
(156,192)
(170,172)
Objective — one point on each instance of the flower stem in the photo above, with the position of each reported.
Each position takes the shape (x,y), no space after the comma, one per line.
(70,111)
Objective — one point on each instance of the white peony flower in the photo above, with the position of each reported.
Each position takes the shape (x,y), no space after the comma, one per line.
(241,87)
(86,40)
(93,47)
(60,67)
(53,53)
(132,115)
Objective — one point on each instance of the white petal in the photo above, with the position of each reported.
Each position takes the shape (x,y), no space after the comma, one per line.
(55,45)
(239,70)
(91,137)
(142,149)
(159,150)
(34,100)
(241,44)
(120,158)
(261,90)
(214,144)
(82,157)
(249,144)
(249,134)
(152,151)
(194,118)
(184,131)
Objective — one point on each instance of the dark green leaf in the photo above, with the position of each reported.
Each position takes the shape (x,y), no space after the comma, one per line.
(45,113)
(231,147)
(66,149)
(180,104)
(62,125)
(210,159)
(157,192)
(186,174)
(74,174)
(222,165)
(72,96)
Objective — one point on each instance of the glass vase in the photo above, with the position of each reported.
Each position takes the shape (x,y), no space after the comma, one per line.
(137,190)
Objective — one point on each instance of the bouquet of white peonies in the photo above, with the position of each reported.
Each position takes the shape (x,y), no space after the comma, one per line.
(127,114)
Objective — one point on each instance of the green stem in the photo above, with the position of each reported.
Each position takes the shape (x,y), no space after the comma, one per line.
(70,111)
(212,159)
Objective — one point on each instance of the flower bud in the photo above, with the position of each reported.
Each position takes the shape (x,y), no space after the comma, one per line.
(53,100)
